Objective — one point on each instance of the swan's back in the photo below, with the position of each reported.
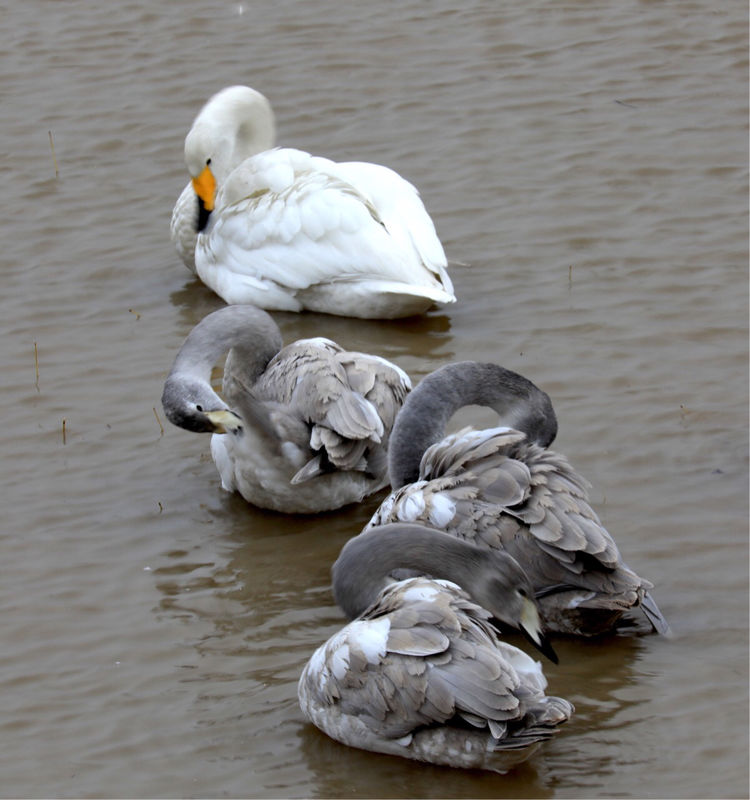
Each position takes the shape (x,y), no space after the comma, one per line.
(293,231)
(318,419)
(345,401)
(423,675)
(499,490)
(283,229)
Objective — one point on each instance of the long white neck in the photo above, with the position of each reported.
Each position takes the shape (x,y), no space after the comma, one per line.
(235,123)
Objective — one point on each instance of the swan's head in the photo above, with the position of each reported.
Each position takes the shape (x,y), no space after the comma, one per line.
(194,406)
(508,595)
(235,123)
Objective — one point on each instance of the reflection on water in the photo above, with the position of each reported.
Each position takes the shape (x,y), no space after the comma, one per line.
(263,592)
(416,344)
(344,772)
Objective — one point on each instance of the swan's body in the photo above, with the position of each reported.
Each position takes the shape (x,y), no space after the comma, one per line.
(421,672)
(281,229)
(502,489)
(300,429)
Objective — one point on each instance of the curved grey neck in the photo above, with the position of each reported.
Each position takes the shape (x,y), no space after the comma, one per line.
(424,416)
(248,331)
(251,339)
(366,561)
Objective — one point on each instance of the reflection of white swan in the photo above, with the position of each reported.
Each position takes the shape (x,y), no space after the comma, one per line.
(501,488)
(300,429)
(285,230)
(421,672)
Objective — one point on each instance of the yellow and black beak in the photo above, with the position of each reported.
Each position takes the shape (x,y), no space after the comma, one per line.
(204,186)
(531,626)
(224,421)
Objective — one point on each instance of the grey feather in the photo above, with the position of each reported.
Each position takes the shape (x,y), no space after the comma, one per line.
(307,440)
(503,489)
(413,704)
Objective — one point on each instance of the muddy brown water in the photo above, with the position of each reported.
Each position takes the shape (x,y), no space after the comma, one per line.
(586,167)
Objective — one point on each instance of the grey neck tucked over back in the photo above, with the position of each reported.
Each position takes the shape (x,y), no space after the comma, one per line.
(422,420)
(248,330)
(366,562)
(245,332)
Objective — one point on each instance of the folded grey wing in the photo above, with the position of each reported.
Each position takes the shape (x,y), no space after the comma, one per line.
(342,424)
(530,502)
(566,529)
(465,481)
(379,381)
(423,670)
(439,661)
(498,490)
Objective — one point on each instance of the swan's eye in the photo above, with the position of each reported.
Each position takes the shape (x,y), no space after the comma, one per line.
(199,407)
(208,161)
(522,592)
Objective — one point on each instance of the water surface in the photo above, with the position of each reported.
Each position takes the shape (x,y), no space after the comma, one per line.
(586,167)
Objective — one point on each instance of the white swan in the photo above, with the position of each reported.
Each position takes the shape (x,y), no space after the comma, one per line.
(421,672)
(501,488)
(300,429)
(285,230)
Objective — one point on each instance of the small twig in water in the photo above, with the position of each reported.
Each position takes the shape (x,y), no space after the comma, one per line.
(54,158)
(64,424)
(137,315)
(36,365)
(156,414)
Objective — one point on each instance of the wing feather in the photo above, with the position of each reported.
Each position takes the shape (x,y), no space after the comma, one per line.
(495,488)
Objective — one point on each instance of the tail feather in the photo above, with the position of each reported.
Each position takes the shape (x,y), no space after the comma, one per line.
(655,617)
(540,722)
(312,469)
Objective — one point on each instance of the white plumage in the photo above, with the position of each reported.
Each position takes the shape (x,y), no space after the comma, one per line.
(282,229)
